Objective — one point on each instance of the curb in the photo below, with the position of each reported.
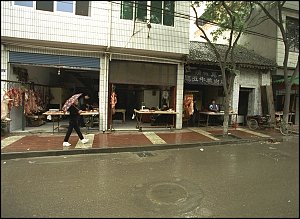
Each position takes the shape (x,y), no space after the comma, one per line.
(15,155)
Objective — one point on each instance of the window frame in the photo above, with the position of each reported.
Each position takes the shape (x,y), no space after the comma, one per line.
(64,2)
(33,7)
(33,4)
(36,3)
(292,30)
(149,8)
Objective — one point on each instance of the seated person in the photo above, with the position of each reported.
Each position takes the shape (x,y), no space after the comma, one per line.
(213,107)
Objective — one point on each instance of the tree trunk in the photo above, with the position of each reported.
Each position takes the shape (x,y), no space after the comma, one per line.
(226,114)
(286,108)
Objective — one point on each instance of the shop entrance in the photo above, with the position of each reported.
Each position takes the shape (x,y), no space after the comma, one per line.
(139,85)
(243,104)
(130,97)
(52,86)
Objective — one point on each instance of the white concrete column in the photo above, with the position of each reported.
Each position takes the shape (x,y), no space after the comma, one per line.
(235,93)
(179,95)
(4,69)
(103,92)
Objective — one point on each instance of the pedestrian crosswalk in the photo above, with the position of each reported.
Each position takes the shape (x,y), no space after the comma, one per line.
(252,132)
(202,132)
(9,140)
(88,144)
(154,138)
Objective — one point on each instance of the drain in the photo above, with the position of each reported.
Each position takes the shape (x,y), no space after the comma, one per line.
(145,154)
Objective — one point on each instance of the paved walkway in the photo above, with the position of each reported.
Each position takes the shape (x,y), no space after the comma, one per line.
(46,144)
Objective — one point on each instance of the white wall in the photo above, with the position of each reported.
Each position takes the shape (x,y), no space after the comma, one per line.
(161,38)
(249,78)
(293,56)
(28,23)
(272,48)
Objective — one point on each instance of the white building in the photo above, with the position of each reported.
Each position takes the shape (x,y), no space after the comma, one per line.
(96,46)
(269,44)
(254,72)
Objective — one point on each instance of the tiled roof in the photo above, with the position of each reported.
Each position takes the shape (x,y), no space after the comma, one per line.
(201,53)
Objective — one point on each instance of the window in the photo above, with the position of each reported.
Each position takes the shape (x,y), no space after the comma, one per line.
(169,13)
(44,5)
(24,3)
(292,31)
(158,12)
(65,6)
(74,7)
(82,8)
(141,10)
(126,10)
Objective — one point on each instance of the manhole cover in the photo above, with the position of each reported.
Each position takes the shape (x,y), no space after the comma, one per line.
(167,197)
(167,193)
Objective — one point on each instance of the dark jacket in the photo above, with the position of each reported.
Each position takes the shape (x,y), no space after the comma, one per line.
(74,114)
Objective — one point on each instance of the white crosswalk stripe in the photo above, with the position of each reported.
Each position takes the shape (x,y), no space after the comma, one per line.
(87,145)
(253,133)
(154,138)
(9,140)
(206,134)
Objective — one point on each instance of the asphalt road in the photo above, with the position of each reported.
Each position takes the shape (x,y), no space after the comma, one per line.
(245,180)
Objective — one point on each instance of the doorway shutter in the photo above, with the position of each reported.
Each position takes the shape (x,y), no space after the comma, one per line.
(54,60)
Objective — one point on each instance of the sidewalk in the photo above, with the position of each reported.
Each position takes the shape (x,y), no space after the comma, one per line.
(23,145)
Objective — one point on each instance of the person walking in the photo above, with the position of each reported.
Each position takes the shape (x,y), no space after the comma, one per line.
(74,123)
(84,105)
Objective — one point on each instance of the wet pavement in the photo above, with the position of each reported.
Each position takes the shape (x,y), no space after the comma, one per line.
(249,180)
(46,144)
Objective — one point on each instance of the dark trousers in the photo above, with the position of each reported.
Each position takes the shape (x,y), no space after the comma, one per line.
(73,124)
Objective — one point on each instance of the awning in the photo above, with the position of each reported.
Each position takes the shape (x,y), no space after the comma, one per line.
(295,81)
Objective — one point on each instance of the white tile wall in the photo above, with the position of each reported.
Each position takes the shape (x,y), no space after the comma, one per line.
(27,23)
(248,78)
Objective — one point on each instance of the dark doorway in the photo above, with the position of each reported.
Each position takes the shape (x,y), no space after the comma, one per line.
(243,103)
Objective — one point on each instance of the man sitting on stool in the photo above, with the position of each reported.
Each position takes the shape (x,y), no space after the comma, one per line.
(213,107)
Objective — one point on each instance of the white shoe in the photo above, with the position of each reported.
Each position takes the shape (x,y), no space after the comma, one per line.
(85,140)
(66,144)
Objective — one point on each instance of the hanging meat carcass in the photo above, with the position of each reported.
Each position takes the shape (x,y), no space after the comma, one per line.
(113,102)
(4,108)
(188,105)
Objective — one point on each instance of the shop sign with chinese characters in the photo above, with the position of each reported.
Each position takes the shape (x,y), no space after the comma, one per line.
(204,77)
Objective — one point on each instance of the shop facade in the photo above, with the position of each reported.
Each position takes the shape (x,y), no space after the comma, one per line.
(56,76)
(52,77)
(203,80)
(139,82)
(80,52)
